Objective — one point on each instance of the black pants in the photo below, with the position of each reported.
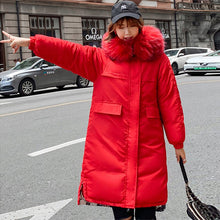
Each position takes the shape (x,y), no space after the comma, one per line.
(148,213)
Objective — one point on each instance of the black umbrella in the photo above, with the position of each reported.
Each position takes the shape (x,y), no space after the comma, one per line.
(196,209)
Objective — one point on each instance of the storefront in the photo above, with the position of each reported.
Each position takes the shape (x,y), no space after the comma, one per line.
(93,30)
(72,21)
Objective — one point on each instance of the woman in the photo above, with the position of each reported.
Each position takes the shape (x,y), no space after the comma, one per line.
(135,96)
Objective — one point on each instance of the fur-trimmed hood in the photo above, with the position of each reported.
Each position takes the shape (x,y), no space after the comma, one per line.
(147,46)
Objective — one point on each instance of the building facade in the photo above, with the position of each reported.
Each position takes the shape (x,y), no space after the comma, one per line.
(182,23)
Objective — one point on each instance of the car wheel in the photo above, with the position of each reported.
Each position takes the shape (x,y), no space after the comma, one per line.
(175,68)
(26,87)
(82,82)
(60,87)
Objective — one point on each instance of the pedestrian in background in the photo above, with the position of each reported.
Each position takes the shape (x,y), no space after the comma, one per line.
(135,97)
(18,61)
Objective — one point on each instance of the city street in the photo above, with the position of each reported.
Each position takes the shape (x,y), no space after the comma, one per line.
(41,150)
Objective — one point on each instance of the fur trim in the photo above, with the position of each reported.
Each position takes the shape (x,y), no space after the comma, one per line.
(147,46)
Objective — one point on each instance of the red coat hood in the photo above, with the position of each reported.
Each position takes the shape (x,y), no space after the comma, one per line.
(147,46)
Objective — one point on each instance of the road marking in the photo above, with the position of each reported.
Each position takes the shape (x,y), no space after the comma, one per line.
(198,82)
(57,147)
(45,107)
(42,212)
(5,103)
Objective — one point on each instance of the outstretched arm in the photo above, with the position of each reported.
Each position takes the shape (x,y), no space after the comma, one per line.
(85,61)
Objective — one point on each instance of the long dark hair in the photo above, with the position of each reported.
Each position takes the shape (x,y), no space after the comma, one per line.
(131,21)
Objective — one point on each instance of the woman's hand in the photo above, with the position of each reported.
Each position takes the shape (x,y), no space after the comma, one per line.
(180,153)
(15,42)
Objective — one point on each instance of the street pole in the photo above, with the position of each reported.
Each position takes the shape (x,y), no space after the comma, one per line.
(175,21)
(19,29)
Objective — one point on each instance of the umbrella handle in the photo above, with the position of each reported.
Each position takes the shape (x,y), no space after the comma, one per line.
(183,171)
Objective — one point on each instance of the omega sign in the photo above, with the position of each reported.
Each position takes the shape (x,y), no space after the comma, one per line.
(93,35)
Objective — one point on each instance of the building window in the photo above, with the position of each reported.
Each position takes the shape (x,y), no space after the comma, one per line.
(49,26)
(164,27)
(93,29)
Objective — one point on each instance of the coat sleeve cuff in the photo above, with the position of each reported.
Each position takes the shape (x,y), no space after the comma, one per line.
(178,146)
(32,43)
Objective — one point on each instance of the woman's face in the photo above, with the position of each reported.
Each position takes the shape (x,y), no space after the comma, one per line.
(126,30)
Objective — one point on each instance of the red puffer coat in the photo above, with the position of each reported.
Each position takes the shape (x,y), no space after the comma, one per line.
(135,95)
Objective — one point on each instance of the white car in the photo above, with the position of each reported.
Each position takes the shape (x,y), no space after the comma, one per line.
(179,56)
(201,65)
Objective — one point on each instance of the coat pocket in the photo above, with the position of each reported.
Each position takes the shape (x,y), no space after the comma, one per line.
(108,108)
(114,75)
(152,112)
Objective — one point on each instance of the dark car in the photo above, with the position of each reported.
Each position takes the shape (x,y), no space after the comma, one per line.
(35,73)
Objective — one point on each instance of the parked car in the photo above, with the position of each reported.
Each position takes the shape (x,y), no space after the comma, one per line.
(201,65)
(35,73)
(179,56)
